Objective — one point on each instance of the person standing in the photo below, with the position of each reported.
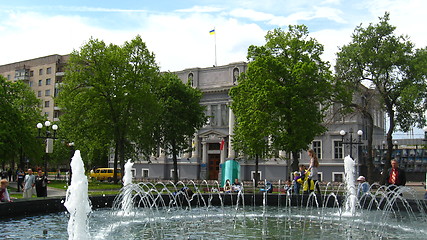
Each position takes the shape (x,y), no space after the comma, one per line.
(363,187)
(20,179)
(4,194)
(29,182)
(313,168)
(396,176)
(10,174)
(41,184)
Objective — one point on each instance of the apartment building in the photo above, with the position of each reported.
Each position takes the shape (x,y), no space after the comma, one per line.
(43,75)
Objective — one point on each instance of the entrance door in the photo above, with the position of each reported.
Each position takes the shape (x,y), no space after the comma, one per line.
(213,166)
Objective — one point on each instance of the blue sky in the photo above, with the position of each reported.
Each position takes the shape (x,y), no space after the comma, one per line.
(178,31)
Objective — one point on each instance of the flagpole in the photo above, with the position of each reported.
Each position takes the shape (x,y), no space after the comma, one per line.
(215,48)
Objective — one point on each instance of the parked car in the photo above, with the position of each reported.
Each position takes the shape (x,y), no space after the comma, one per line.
(102,174)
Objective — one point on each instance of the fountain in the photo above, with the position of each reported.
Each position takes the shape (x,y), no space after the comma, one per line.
(192,210)
(77,201)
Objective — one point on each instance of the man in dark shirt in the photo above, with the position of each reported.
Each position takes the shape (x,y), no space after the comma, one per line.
(396,176)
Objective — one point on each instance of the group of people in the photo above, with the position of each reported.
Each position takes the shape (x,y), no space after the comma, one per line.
(236,187)
(307,178)
(29,183)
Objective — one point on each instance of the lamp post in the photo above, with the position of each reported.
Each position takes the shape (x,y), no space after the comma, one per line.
(350,139)
(48,136)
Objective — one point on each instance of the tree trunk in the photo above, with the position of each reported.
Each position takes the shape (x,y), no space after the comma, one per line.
(256,170)
(116,159)
(369,158)
(387,164)
(175,163)
(295,162)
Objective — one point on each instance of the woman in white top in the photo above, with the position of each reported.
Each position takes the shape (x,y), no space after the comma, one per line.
(314,164)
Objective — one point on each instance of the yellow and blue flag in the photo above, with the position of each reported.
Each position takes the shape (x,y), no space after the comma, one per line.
(212,32)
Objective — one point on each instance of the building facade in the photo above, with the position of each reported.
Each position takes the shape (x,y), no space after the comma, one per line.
(211,145)
(43,75)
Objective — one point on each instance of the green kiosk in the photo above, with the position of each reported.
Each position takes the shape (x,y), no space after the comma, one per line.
(230,170)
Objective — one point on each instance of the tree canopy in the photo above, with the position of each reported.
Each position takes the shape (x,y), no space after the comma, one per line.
(181,116)
(280,99)
(19,114)
(389,64)
(108,97)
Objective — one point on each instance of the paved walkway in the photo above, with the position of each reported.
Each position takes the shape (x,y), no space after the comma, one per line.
(51,192)
(417,186)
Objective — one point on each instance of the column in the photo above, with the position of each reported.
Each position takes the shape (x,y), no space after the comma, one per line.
(195,146)
(203,165)
(222,154)
(231,153)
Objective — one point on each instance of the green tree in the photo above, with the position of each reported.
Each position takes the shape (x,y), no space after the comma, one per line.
(109,101)
(280,99)
(391,65)
(19,114)
(182,115)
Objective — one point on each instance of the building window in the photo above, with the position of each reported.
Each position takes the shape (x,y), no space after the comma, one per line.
(48,81)
(320,176)
(48,70)
(30,83)
(46,104)
(39,93)
(213,118)
(40,71)
(47,92)
(337,177)
(190,79)
(56,114)
(224,114)
(259,175)
(317,147)
(40,82)
(236,73)
(56,92)
(46,114)
(145,172)
(8,76)
(338,149)
(336,111)
(31,73)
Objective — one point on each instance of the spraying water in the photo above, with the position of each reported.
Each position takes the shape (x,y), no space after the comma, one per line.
(350,205)
(127,180)
(77,201)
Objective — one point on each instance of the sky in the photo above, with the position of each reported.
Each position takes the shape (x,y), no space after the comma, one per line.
(177,31)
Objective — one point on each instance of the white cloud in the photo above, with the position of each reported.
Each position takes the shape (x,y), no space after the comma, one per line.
(201,9)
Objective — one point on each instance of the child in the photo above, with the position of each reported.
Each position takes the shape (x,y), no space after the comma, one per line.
(4,194)
(297,182)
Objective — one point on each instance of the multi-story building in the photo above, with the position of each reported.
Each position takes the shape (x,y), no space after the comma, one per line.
(43,75)
(211,145)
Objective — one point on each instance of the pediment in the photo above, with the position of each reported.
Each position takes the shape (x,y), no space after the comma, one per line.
(212,134)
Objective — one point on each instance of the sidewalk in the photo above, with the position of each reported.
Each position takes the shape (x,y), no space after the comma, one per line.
(51,192)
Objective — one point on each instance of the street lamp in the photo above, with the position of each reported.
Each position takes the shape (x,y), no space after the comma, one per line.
(350,139)
(48,136)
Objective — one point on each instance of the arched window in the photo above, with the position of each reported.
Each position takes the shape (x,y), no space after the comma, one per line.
(236,73)
(190,80)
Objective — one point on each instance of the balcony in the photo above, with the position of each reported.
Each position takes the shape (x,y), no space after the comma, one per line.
(22,78)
